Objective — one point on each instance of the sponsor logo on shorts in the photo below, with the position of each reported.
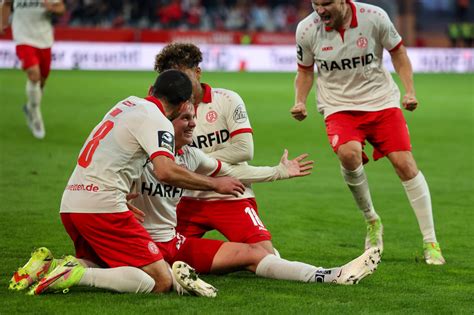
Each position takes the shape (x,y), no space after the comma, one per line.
(153,248)
(334,140)
(166,140)
(82,187)
(240,115)
(211,116)
(362,42)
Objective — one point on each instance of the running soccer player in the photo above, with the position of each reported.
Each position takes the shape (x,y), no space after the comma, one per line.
(224,132)
(360,101)
(94,208)
(33,33)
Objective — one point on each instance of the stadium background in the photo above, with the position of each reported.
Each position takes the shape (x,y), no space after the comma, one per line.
(312,219)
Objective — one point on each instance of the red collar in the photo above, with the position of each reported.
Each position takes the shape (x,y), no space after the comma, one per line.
(207,96)
(180,152)
(354,16)
(157,102)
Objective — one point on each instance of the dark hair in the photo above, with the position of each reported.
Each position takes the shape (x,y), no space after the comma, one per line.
(172,86)
(178,55)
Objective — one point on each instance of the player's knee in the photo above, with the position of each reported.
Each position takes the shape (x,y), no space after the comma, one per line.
(257,253)
(406,168)
(33,75)
(350,157)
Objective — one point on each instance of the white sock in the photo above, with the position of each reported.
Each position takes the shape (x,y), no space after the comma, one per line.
(277,268)
(357,183)
(418,194)
(120,279)
(33,94)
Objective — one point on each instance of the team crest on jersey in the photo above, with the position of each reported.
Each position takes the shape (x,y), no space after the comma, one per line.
(152,248)
(362,42)
(240,115)
(166,140)
(211,116)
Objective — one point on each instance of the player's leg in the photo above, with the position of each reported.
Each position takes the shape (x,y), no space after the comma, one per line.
(346,141)
(419,196)
(30,59)
(114,240)
(392,139)
(238,256)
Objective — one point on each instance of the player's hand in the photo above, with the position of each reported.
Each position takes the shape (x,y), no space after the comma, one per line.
(297,167)
(299,111)
(228,186)
(139,214)
(410,102)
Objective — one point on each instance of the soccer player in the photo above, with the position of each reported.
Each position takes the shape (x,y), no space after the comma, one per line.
(33,34)
(224,132)
(158,201)
(360,101)
(93,208)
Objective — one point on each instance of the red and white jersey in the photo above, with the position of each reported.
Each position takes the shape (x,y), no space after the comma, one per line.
(351,75)
(114,154)
(159,200)
(31,23)
(220,116)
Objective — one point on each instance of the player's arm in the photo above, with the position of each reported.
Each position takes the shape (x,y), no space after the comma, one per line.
(248,174)
(303,84)
(403,67)
(305,74)
(240,149)
(6,10)
(166,170)
(56,7)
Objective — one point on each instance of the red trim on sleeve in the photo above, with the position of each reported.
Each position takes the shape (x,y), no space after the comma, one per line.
(207,95)
(157,102)
(396,47)
(239,131)
(218,169)
(167,154)
(306,67)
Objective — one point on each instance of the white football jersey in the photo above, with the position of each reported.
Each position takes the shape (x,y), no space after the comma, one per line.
(220,116)
(159,200)
(114,154)
(351,75)
(31,23)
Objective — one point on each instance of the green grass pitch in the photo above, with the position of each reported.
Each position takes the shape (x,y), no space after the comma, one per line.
(313,219)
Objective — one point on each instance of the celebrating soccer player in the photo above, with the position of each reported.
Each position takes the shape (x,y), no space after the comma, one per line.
(360,101)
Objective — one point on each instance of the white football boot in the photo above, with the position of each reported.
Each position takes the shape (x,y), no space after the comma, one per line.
(187,277)
(359,268)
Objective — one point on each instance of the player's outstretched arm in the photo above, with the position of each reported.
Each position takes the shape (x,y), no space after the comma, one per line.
(166,170)
(248,174)
(403,67)
(303,84)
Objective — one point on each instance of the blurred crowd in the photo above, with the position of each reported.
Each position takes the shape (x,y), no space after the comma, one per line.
(445,17)
(237,15)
